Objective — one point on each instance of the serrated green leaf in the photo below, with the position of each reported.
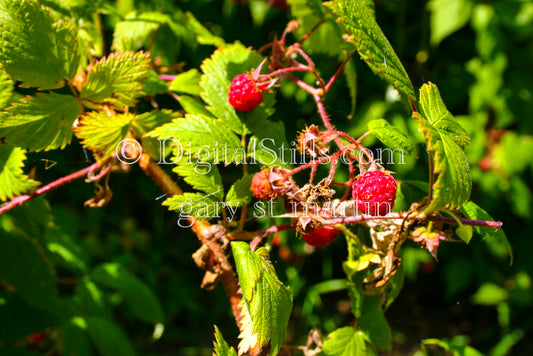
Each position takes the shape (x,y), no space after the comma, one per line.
(445,139)
(116,80)
(140,298)
(240,194)
(266,301)
(103,133)
(144,123)
(6,88)
(371,43)
(218,72)
(197,205)
(391,136)
(108,338)
(447,16)
(221,346)
(75,339)
(204,137)
(201,176)
(347,341)
(41,122)
(34,49)
(13,181)
(490,235)
(187,82)
(133,32)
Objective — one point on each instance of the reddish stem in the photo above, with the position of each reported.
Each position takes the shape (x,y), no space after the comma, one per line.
(167,76)
(16,201)
(334,77)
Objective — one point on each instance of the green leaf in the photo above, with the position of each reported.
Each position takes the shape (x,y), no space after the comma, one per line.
(6,88)
(347,341)
(13,181)
(391,136)
(207,138)
(108,338)
(445,139)
(25,266)
(148,121)
(75,339)
(193,106)
(139,297)
(240,194)
(34,49)
(202,34)
(327,38)
(187,83)
(266,301)
(15,351)
(90,299)
(219,70)
(41,122)
(490,294)
(447,16)
(457,349)
(373,323)
(154,85)
(372,45)
(464,232)
(202,176)
(103,133)
(221,346)
(65,252)
(20,319)
(197,205)
(495,238)
(133,32)
(116,80)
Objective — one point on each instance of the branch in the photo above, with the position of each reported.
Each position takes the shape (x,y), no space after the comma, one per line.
(209,235)
(16,201)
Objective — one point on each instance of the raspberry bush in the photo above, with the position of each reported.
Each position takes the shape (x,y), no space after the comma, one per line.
(230,149)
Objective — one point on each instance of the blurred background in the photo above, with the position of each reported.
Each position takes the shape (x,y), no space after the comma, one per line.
(113,261)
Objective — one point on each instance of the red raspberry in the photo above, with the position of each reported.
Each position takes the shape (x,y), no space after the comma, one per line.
(244,93)
(374,193)
(321,237)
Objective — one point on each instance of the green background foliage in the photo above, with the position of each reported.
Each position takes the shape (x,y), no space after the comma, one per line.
(86,276)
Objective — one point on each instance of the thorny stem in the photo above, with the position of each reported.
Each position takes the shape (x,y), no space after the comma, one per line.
(361,218)
(206,233)
(325,119)
(316,162)
(16,201)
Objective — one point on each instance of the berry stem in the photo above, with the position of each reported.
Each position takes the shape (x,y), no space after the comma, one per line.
(284,70)
(169,77)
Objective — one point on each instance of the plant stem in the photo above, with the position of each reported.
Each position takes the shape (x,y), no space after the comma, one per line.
(16,201)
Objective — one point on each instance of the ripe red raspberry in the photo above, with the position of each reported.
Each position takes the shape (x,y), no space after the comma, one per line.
(321,237)
(244,93)
(374,193)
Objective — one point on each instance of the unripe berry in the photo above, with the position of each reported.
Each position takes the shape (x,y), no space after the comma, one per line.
(321,237)
(374,193)
(244,93)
